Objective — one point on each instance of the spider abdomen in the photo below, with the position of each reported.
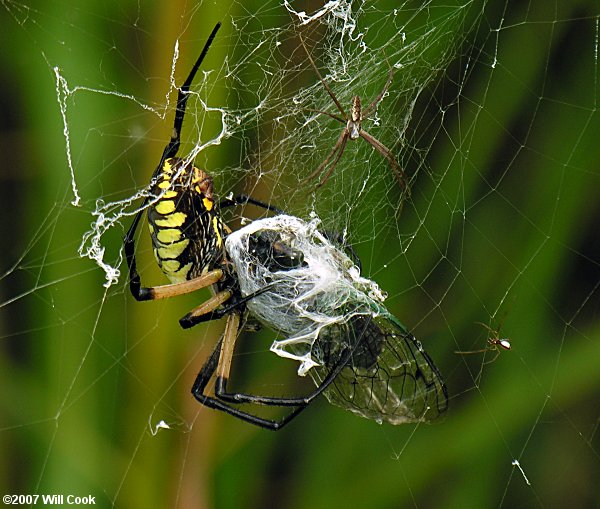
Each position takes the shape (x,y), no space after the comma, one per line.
(353,124)
(187,234)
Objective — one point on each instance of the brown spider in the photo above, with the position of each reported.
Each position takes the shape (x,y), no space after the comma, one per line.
(353,129)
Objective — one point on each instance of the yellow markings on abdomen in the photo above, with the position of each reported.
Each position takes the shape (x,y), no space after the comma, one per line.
(169,235)
(167,168)
(215,222)
(172,220)
(172,250)
(169,194)
(174,271)
(165,207)
(187,232)
(208,203)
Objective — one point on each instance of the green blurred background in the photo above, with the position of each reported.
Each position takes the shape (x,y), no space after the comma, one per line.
(506,212)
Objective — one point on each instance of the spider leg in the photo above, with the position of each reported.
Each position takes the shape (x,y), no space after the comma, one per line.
(205,311)
(385,152)
(206,374)
(201,382)
(469,352)
(135,284)
(220,361)
(223,369)
(173,147)
(339,149)
(497,353)
(243,199)
(316,69)
(495,333)
(172,290)
(209,310)
(333,116)
(375,102)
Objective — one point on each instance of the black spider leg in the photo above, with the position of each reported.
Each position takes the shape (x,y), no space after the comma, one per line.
(243,199)
(170,150)
(135,284)
(222,397)
(190,320)
(173,147)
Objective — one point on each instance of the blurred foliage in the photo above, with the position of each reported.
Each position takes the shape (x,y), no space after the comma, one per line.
(510,239)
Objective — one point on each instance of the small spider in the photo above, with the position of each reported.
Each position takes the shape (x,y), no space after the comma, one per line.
(495,344)
(353,129)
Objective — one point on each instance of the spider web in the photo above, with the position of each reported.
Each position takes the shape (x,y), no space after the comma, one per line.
(493,115)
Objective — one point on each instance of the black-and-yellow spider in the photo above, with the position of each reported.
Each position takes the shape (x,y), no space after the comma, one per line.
(188,241)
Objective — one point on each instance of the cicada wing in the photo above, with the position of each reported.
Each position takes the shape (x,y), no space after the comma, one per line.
(387,374)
